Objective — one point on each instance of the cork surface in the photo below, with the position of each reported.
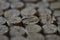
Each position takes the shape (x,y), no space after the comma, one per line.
(29,19)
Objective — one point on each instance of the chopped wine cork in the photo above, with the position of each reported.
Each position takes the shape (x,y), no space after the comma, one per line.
(52,37)
(35,36)
(14,20)
(42,4)
(44,11)
(17,5)
(2,20)
(28,12)
(56,13)
(45,15)
(16,31)
(31,20)
(3,37)
(32,5)
(49,28)
(55,5)
(11,13)
(3,29)
(43,19)
(18,38)
(46,19)
(33,28)
(4,5)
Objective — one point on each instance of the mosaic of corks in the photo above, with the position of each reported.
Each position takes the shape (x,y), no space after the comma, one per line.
(29,19)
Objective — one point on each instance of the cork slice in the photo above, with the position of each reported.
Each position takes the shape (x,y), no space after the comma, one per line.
(33,28)
(49,28)
(3,29)
(52,37)
(31,20)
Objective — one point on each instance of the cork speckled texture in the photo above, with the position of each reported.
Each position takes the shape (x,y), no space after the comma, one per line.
(29,19)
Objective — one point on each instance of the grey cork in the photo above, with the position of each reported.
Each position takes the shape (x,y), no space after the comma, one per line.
(33,28)
(35,36)
(11,13)
(3,37)
(52,37)
(31,20)
(17,5)
(3,29)
(18,38)
(4,5)
(26,12)
(14,20)
(16,31)
(49,28)
(2,20)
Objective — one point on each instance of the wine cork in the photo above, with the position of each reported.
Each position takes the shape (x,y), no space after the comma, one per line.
(26,12)
(35,36)
(33,28)
(16,31)
(31,20)
(3,29)
(52,37)
(3,37)
(2,20)
(55,5)
(14,20)
(49,28)
(17,5)
(56,13)
(11,13)
(4,5)
(18,38)
(44,11)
